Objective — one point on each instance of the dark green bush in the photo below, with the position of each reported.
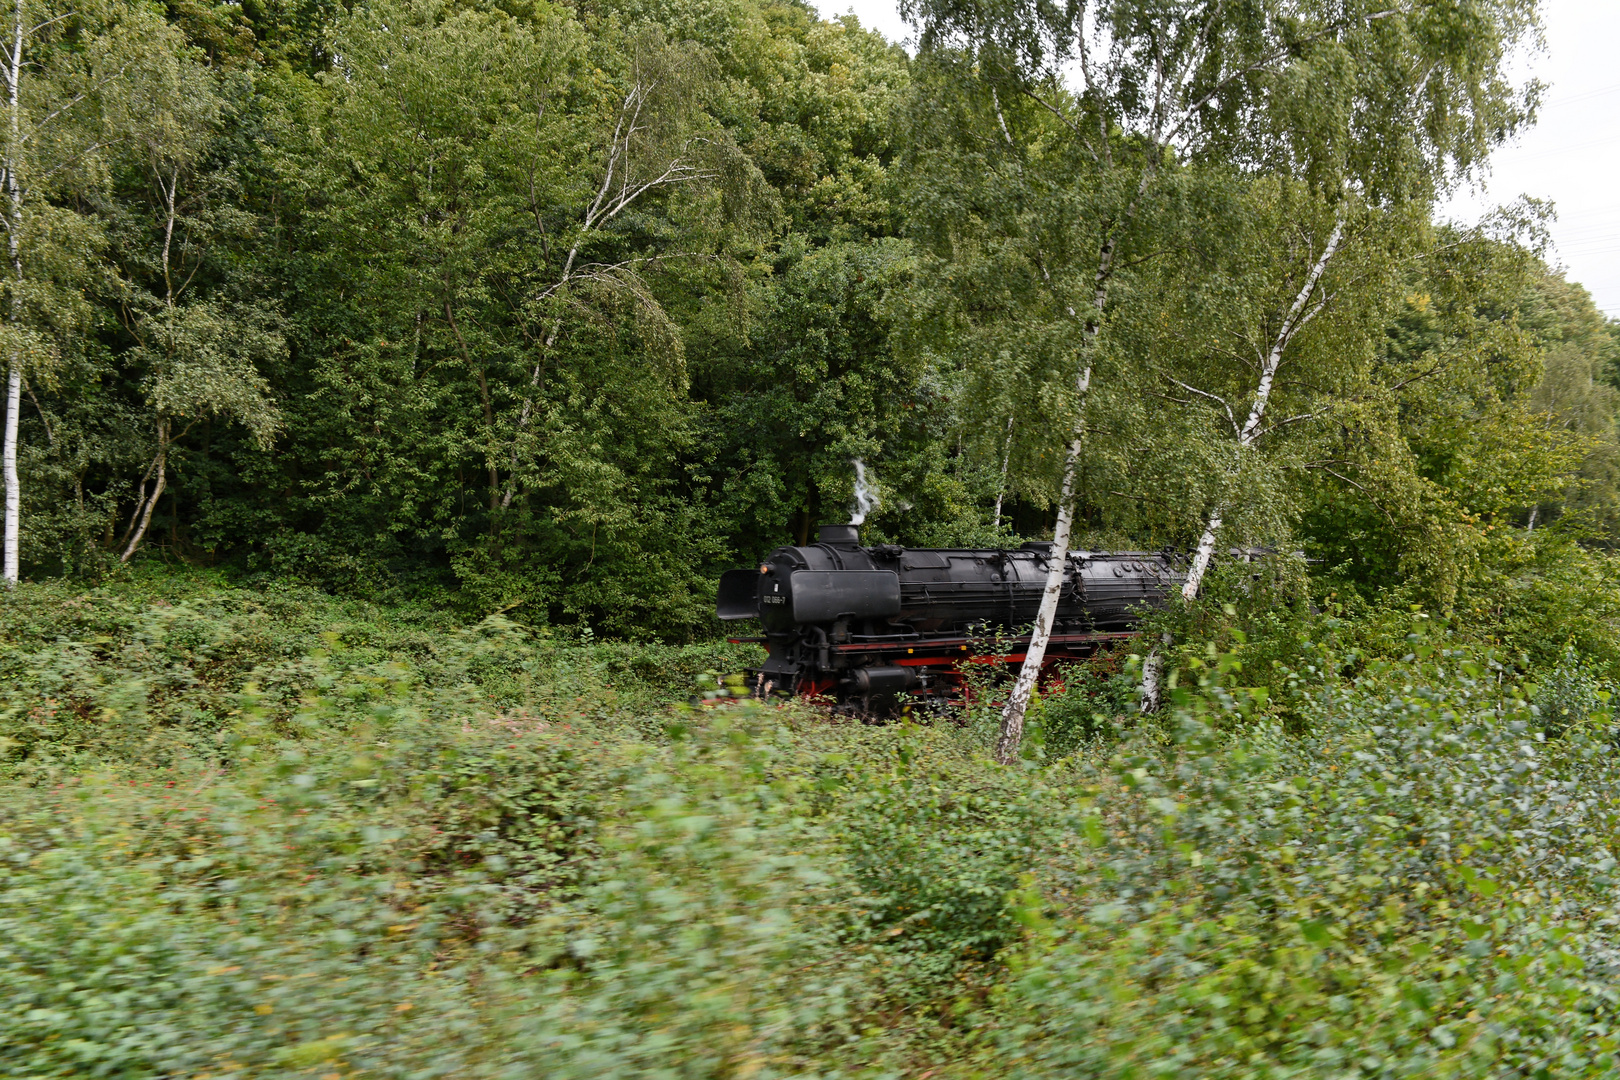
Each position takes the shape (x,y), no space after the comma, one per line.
(1569,694)
(934,857)
(1090,700)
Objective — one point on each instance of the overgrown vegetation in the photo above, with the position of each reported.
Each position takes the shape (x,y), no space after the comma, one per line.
(274,834)
(343,295)
(390,380)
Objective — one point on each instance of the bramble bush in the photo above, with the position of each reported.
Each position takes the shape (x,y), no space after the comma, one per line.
(1091,702)
(934,855)
(124,674)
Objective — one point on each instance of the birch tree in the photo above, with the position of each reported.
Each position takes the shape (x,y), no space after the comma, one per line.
(1269,327)
(1312,298)
(663,144)
(199,353)
(1393,99)
(515,178)
(202,362)
(57,65)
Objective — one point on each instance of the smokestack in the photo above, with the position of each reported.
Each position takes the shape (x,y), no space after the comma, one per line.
(838,535)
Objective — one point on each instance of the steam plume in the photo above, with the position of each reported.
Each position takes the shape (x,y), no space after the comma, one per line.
(866,499)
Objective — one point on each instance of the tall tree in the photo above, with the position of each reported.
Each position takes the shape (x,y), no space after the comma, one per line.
(507,378)
(1387,101)
(196,351)
(58,66)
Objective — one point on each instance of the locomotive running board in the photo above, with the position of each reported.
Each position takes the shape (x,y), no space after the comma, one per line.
(1016,647)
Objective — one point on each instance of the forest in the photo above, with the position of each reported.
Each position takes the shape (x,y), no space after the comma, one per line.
(563,310)
(390,381)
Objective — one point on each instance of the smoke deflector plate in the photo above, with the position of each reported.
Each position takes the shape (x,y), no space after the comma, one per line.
(824,595)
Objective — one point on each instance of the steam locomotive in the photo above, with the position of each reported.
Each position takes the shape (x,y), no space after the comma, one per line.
(863,625)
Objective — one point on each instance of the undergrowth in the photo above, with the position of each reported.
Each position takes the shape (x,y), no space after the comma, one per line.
(275,835)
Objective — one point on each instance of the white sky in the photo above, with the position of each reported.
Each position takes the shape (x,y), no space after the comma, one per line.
(1570,158)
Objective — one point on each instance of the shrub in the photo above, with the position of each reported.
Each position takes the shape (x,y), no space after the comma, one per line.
(1089,700)
(118,674)
(706,946)
(121,958)
(479,852)
(1418,886)
(1568,695)
(934,855)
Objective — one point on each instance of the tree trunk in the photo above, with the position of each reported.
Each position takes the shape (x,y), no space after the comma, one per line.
(1202,555)
(1012,717)
(606,206)
(1006,459)
(1152,667)
(1297,317)
(13,486)
(13,536)
(160,466)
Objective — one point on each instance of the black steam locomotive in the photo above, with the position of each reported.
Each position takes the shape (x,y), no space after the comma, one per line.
(863,625)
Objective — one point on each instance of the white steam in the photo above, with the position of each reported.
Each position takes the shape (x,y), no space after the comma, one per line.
(866,498)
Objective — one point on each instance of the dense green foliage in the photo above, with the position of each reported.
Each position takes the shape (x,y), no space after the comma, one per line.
(399,375)
(559,310)
(275,835)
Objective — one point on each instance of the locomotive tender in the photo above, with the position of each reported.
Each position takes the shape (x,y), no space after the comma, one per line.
(863,625)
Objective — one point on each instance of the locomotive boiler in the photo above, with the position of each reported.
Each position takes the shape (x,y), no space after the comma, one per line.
(863,625)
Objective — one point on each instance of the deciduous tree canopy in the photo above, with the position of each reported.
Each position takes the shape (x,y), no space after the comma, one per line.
(563,309)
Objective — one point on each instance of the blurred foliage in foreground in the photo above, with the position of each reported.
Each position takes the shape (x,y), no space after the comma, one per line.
(273,835)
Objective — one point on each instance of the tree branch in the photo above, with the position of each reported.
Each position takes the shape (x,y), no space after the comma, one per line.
(1213,397)
(1370,498)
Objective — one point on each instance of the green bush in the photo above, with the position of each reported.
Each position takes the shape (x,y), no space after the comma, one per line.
(934,856)
(295,917)
(1419,886)
(707,945)
(1092,697)
(1568,695)
(122,674)
(263,845)
(127,952)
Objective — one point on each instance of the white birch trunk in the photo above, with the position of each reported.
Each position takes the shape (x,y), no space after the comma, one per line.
(1006,459)
(1150,682)
(160,466)
(142,517)
(13,486)
(1296,318)
(606,206)
(146,516)
(13,536)
(1012,717)
(1202,554)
